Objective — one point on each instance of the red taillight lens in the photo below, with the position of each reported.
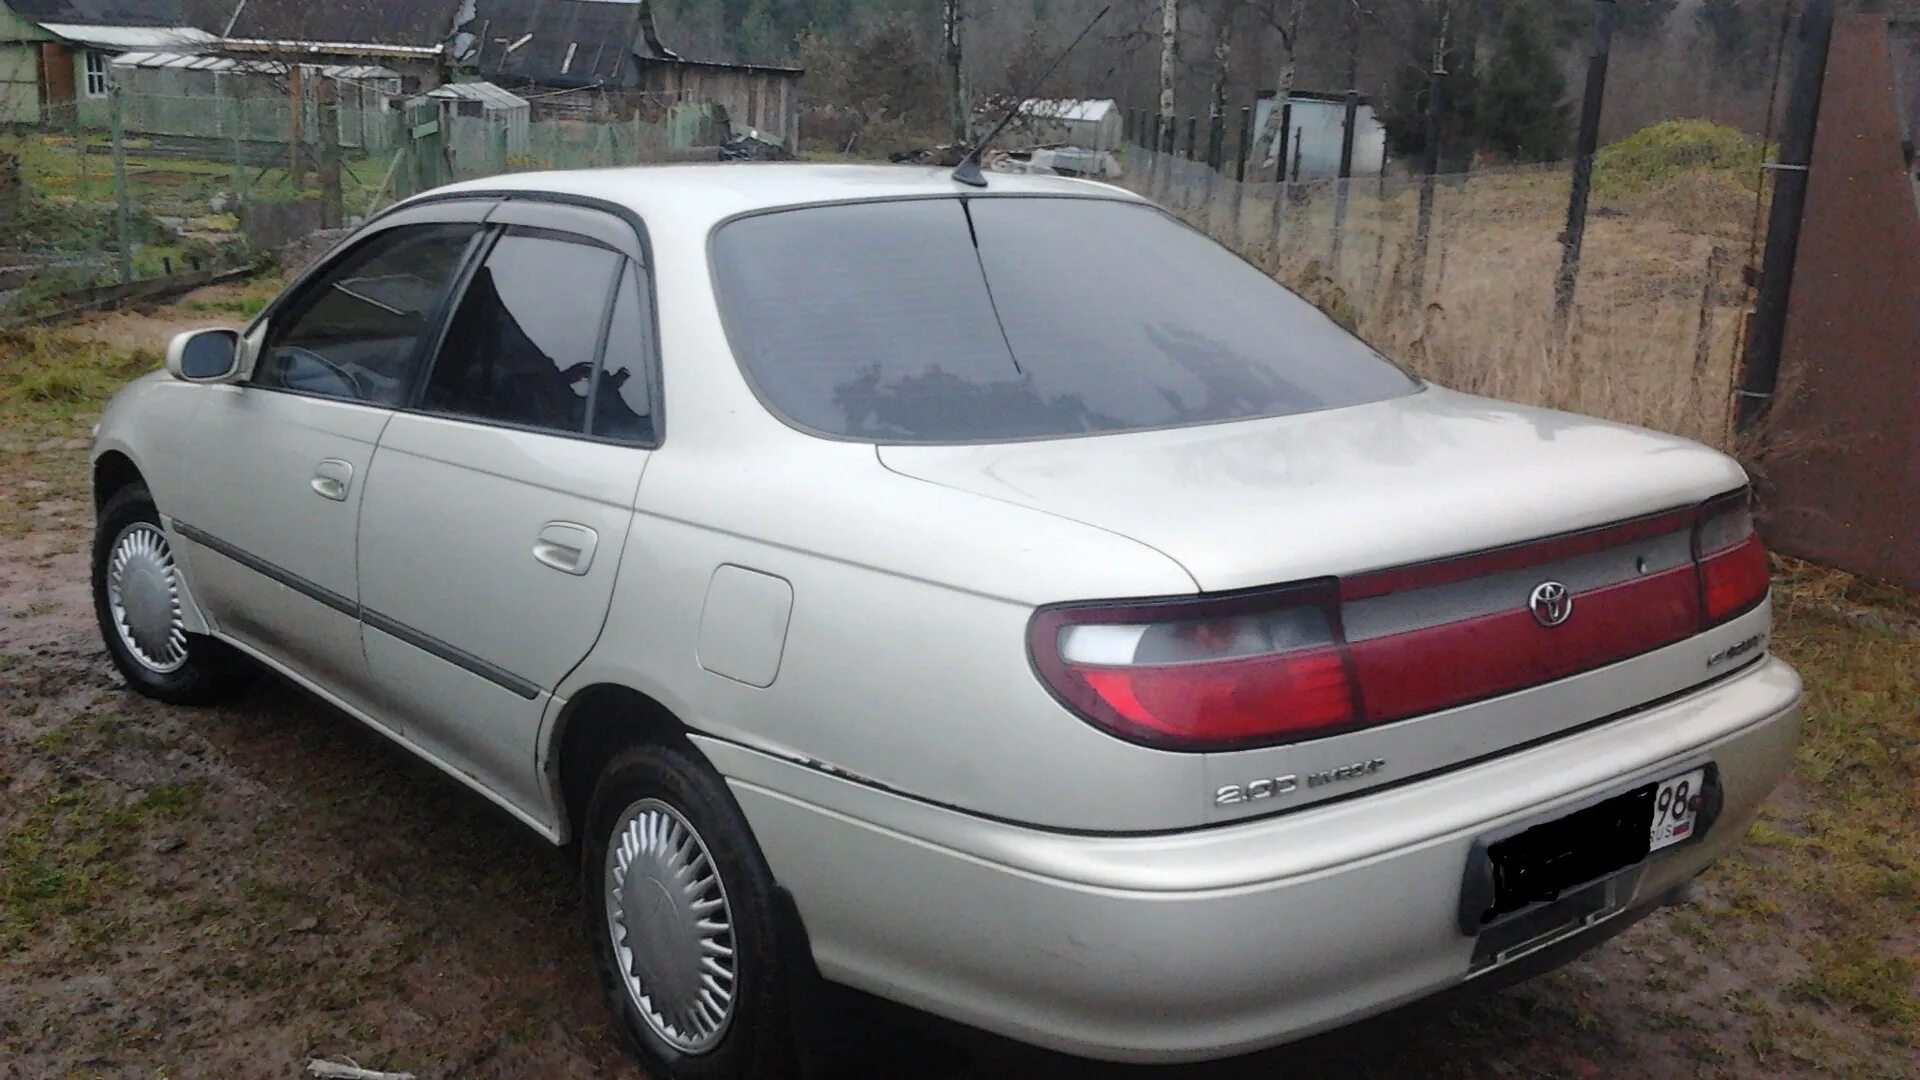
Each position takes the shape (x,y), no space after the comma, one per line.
(1734,575)
(1291,664)
(1211,674)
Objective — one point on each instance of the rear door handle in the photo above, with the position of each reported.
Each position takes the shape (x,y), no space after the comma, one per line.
(566,547)
(332,479)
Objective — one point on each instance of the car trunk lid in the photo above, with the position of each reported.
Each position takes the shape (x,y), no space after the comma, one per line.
(1430,581)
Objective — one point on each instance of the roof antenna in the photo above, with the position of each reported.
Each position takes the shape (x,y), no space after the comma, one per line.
(968,172)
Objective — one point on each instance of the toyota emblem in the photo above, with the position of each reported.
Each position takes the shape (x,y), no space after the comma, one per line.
(1552,604)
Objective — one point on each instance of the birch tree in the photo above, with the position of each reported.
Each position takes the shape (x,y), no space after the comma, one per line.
(1283,17)
(1169,62)
(956,72)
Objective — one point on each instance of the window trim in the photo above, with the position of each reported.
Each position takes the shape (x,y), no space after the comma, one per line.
(476,207)
(416,397)
(649,296)
(89,58)
(1419,385)
(318,273)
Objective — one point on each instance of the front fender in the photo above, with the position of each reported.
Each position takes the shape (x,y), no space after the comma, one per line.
(149,424)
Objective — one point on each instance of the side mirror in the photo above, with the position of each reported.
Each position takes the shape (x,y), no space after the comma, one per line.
(205,356)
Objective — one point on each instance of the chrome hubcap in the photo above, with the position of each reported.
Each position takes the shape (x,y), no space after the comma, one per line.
(143,596)
(671,926)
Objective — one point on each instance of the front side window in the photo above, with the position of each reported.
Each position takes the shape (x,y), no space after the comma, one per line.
(523,347)
(355,332)
(1006,318)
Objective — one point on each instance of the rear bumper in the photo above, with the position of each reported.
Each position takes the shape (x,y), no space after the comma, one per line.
(1227,940)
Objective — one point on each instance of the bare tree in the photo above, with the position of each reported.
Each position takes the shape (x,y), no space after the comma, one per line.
(1283,17)
(1223,13)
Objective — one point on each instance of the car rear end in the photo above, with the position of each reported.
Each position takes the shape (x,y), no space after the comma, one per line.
(1456,682)
(1414,782)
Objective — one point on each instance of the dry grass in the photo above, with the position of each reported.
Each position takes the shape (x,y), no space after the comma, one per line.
(1653,336)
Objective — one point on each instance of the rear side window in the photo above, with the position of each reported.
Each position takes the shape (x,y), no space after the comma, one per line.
(993,319)
(622,403)
(523,346)
(354,332)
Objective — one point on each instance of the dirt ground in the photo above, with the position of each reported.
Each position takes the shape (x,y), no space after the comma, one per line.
(230,892)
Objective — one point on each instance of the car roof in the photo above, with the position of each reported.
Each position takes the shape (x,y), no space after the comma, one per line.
(704,194)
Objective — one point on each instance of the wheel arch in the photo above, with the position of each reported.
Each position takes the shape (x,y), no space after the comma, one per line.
(597,723)
(113,470)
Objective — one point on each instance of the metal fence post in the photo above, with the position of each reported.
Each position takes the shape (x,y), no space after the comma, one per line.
(123,203)
(1767,335)
(1245,149)
(1575,237)
(1341,192)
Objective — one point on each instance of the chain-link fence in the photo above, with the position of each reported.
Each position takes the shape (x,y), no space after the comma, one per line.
(1468,298)
(129,187)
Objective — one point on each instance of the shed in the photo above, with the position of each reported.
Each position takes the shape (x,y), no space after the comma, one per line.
(1318,129)
(615,49)
(1094,124)
(187,95)
(408,36)
(55,54)
(501,110)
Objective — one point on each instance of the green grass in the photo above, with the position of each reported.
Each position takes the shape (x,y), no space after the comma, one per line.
(63,852)
(47,379)
(1664,152)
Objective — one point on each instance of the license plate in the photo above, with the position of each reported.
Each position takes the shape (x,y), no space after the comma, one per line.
(1544,862)
(1676,809)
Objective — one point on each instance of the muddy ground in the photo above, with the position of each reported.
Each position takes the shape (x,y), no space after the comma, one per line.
(230,892)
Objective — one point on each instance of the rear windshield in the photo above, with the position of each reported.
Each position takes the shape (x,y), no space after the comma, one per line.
(1006,318)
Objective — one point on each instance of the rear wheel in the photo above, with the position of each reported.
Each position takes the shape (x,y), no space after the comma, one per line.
(136,596)
(680,910)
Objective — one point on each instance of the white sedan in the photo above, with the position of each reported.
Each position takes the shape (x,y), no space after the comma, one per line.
(1001,600)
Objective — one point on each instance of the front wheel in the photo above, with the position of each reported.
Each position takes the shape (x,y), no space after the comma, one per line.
(680,910)
(136,596)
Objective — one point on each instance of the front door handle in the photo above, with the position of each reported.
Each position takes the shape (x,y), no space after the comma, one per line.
(332,479)
(566,547)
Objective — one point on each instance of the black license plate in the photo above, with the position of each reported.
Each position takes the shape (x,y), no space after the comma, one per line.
(1539,865)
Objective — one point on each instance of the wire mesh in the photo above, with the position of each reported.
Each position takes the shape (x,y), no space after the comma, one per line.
(208,180)
(1660,299)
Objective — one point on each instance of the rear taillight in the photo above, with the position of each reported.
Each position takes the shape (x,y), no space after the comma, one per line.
(1734,575)
(1278,665)
(1249,669)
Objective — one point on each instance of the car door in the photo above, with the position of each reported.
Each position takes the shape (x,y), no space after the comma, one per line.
(499,503)
(271,520)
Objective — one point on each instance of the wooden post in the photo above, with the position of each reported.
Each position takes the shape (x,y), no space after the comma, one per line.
(122,199)
(327,118)
(1703,337)
(296,171)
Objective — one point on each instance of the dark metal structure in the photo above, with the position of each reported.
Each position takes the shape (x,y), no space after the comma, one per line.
(1840,447)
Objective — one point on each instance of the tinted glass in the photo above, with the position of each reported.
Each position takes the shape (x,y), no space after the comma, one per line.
(885,321)
(354,332)
(521,349)
(622,407)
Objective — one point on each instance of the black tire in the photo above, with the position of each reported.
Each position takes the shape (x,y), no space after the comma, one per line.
(212,672)
(757,1040)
